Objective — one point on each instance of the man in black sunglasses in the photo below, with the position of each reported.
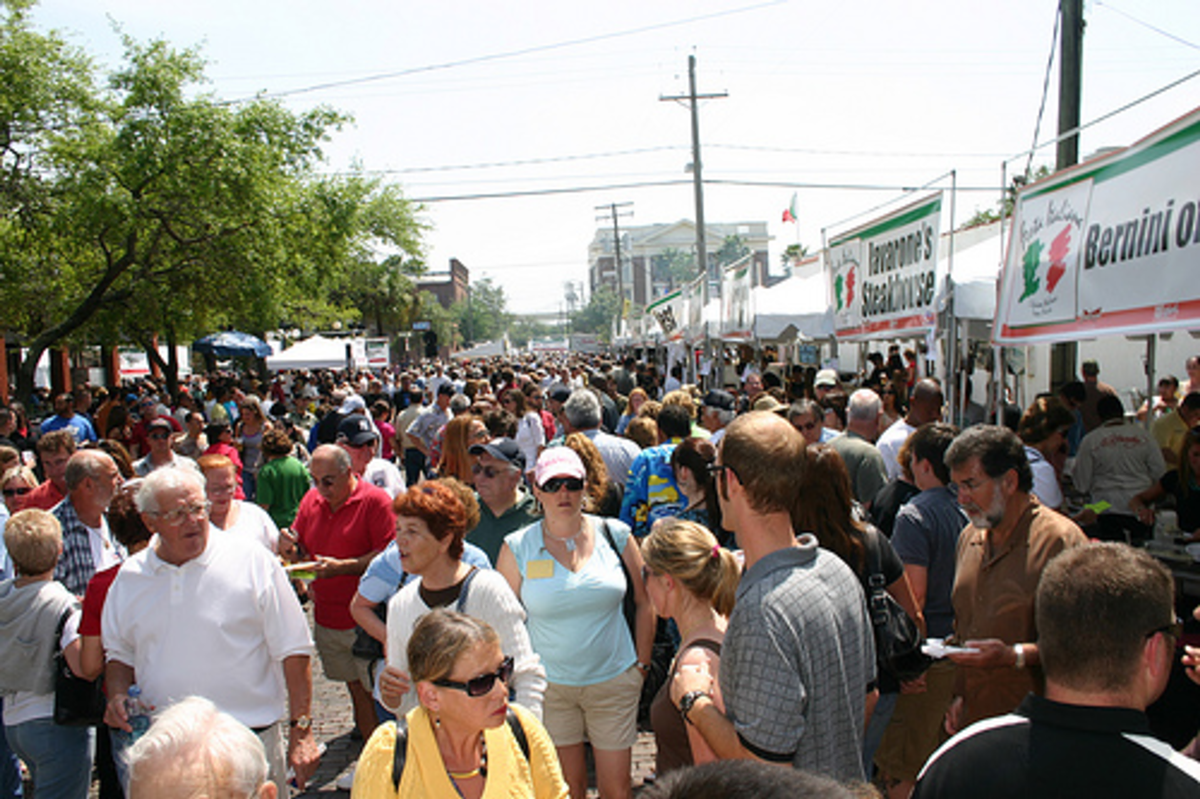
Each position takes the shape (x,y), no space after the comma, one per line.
(504,506)
(1107,635)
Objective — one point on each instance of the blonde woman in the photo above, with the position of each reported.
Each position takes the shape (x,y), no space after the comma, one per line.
(690,578)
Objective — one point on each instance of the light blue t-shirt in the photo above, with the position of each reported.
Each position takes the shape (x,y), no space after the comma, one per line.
(385,576)
(576,620)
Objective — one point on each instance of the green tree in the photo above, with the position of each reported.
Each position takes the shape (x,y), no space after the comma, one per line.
(732,248)
(598,315)
(174,213)
(674,267)
(793,253)
(484,316)
(522,329)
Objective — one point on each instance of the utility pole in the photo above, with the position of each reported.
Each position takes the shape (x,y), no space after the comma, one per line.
(1063,357)
(615,214)
(698,189)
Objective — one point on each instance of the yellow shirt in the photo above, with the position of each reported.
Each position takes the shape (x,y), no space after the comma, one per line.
(510,775)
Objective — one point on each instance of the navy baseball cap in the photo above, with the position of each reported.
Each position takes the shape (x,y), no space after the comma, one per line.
(356,431)
(502,449)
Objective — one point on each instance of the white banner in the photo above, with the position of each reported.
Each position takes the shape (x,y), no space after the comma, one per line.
(669,314)
(693,298)
(884,276)
(737,312)
(1109,247)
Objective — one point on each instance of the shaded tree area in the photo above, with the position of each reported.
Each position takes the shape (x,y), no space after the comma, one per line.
(598,315)
(137,207)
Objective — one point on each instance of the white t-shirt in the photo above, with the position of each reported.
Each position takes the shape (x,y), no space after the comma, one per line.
(104,552)
(255,524)
(384,474)
(889,446)
(219,626)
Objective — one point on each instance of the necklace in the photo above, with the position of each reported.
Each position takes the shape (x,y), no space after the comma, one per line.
(478,771)
(567,541)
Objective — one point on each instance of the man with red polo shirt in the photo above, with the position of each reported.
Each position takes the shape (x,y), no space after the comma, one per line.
(54,449)
(342,523)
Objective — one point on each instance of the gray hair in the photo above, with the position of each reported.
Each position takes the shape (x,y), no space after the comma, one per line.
(724,416)
(200,750)
(864,406)
(180,475)
(341,458)
(582,410)
(460,403)
(84,464)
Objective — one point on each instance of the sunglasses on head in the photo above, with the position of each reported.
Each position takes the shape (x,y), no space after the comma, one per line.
(483,684)
(554,484)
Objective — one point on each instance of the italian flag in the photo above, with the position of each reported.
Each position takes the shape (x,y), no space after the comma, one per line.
(789,213)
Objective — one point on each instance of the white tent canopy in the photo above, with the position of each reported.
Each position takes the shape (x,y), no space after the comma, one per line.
(316,352)
(794,308)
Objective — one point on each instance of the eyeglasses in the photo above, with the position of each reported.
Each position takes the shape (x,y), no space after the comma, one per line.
(804,426)
(490,472)
(553,485)
(16,492)
(719,469)
(483,684)
(182,514)
(158,435)
(1174,629)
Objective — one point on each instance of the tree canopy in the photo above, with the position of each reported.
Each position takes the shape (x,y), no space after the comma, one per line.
(140,207)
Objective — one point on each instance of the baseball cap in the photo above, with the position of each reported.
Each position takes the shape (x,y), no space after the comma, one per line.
(559,393)
(718,398)
(352,404)
(502,449)
(356,431)
(159,421)
(826,377)
(558,462)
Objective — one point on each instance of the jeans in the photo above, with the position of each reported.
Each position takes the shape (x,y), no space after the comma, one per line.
(10,769)
(873,736)
(59,758)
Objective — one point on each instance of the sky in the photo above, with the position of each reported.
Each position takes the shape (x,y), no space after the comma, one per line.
(511,122)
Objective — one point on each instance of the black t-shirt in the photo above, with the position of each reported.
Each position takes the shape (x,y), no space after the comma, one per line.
(1187,507)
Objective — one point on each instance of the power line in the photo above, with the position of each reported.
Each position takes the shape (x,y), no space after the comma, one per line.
(1144,24)
(508,54)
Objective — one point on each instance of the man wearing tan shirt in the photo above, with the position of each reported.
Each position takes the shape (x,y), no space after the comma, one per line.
(1000,559)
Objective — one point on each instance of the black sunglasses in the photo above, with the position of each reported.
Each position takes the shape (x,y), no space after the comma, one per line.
(16,492)
(483,684)
(718,469)
(553,485)
(1174,629)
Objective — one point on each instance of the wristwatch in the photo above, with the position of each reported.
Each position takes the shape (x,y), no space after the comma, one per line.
(688,700)
(302,723)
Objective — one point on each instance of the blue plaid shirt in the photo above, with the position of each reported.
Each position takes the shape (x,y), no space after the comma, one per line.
(76,566)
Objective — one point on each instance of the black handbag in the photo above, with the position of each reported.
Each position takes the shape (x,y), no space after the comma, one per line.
(77,702)
(897,639)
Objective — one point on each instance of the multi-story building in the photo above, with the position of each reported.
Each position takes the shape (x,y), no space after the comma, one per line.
(448,287)
(651,256)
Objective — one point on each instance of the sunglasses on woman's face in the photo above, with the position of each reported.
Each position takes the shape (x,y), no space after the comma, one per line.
(553,485)
(16,492)
(483,684)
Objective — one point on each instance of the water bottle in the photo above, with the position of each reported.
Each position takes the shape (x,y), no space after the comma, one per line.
(138,713)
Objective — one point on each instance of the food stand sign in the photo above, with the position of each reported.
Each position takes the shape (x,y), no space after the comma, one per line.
(1109,247)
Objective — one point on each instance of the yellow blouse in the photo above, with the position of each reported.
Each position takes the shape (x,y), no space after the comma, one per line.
(509,774)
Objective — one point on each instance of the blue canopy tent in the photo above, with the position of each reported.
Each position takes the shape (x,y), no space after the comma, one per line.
(232,344)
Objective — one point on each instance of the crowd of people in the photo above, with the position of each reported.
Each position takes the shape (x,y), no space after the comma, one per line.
(514,562)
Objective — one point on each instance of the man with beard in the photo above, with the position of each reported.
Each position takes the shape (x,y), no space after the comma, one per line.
(1001,555)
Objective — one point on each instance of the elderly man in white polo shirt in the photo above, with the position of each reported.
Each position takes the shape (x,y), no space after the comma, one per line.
(206,613)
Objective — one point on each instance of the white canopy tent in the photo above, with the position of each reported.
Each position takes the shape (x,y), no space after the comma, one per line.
(794,308)
(315,352)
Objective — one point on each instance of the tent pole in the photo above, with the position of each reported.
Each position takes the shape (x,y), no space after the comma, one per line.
(1151,377)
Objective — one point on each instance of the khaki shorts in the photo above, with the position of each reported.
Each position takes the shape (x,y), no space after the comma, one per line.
(915,730)
(274,741)
(337,660)
(604,714)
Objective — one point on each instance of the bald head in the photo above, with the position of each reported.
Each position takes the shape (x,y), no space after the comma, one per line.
(925,405)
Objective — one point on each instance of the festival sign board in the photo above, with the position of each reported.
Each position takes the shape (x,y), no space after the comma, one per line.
(669,313)
(737,313)
(1109,247)
(884,275)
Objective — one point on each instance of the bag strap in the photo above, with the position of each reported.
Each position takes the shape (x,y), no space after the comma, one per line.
(461,605)
(400,749)
(876,582)
(399,753)
(613,544)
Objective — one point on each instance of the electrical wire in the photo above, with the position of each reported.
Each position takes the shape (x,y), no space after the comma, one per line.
(1144,24)
(507,54)
(1037,126)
